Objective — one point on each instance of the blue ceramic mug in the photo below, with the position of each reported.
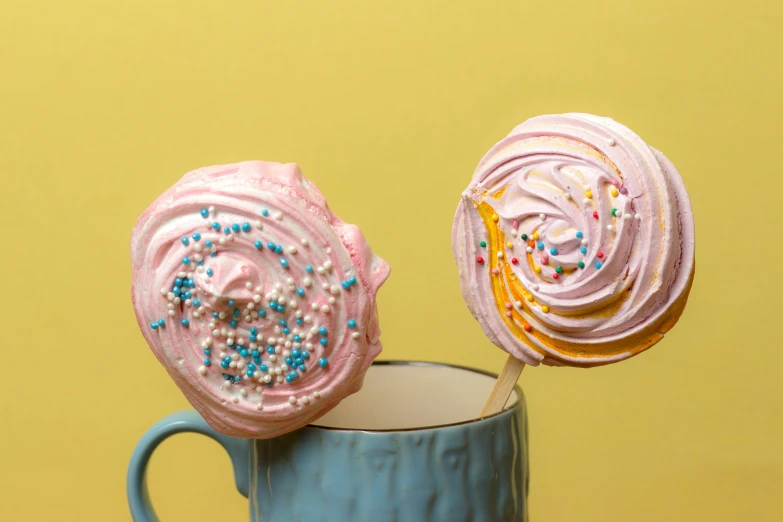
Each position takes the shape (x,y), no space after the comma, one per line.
(407,448)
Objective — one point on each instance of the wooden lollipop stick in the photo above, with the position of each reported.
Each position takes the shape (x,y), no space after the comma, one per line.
(503,386)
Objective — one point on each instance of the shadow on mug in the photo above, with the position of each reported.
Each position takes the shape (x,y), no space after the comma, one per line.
(408,447)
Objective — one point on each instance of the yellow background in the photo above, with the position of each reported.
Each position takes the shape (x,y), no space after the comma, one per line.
(387,106)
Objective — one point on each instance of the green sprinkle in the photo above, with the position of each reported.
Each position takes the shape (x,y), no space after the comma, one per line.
(524,237)
(559,270)
(614,211)
(483,244)
(580,264)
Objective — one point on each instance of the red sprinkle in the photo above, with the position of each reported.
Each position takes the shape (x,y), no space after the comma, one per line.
(514,260)
(595,214)
(480,259)
(555,276)
(527,327)
(600,255)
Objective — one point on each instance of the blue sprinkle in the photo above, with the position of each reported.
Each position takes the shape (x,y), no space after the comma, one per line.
(210,272)
(246,227)
(185,322)
(243,352)
(289,361)
(196,236)
(200,263)
(236,312)
(270,384)
(251,338)
(176,290)
(216,225)
(215,315)
(187,295)
(324,341)
(346,285)
(207,243)
(265,212)
(352,280)
(254,331)
(583,250)
(305,355)
(262,313)
(322,362)
(598,264)
(185,260)
(161,322)
(579,234)
(351,323)
(297,361)
(207,362)
(288,378)
(259,245)
(302,368)
(207,351)
(255,353)
(213,254)
(553,251)
(227,230)
(257,360)
(178,281)
(273,305)
(233,323)
(270,246)
(300,291)
(185,240)
(284,262)
(300,321)
(270,350)
(224,363)
(278,249)
(297,339)
(154,325)
(235,227)
(196,303)
(541,246)
(237,378)
(286,331)
(204,212)
(323,331)
(230,302)
(283,322)
(309,269)
(263,368)
(295,353)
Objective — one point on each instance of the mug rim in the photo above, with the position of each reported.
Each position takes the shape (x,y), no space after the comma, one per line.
(402,362)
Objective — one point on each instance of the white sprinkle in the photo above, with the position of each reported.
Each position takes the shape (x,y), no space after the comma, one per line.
(232,364)
(182,275)
(260,406)
(273,357)
(249,285)
(279,378)
(500,255)
(316,395)
(298,314)
(207,279)
(272,340)
(278,287)
(211,210)
(356,335)
(325,286)
(518,304)
(638,216)
(305,400)
(328,265)
(230,334)
(283,368)
(227,384)
(292,399)
(257,298)
(325,309)
(293,304)
(290,281)
(213,248)
(200,269)
(586,201)
(335,290)
(542,216)
(279,216)
(529,250)
(170,296)
(222,241)
(534,286)
(201,309)
(281,300)
(222,315)
(567,195)
(243,392)
(267,378)
(230,237)
(584,242)
(251,305)
(514,231)
(198,257)
(307,319)
(611,142)
(235,399)
(197,247)
(309,347)
(304,242)
(320,270)
(292,250)
(307,281)
(259,225)
(259,389)
(332,300)
(314,306)
(172,313)
(610,227)
(202,370)
(188,302)
(171,306)
(177,300)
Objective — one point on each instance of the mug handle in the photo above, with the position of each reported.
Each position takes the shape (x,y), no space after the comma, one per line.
(180,422)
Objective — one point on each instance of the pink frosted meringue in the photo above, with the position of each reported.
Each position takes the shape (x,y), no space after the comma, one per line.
(256,298)
(575,242)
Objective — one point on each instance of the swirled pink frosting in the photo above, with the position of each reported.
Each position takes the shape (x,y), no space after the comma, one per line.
(256,298)
(588,238)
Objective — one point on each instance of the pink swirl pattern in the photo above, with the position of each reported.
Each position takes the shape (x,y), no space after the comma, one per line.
(575,242)
(256,298)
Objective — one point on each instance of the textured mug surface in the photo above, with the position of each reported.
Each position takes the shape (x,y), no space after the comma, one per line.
(474,470)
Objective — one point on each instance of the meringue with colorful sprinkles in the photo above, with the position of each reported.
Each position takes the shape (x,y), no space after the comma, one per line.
(256,298)
(603,237)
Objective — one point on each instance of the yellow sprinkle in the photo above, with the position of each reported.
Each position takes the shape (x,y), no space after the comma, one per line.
(509,245)
(535,236)
(614,192)
(537,269)
(589,194)
(529,297)
(545,309)
(494,217)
